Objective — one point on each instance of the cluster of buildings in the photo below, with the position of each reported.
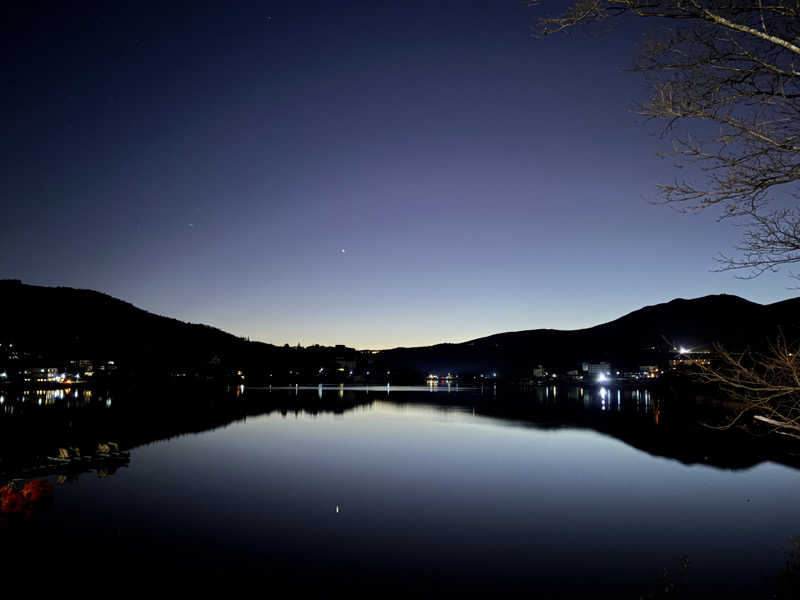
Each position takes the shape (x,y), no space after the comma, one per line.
(593,372)
(434,380)
(597,372)
(20,368)
(604,372)
(339,364)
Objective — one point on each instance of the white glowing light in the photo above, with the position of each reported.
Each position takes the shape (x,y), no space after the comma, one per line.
(602,377)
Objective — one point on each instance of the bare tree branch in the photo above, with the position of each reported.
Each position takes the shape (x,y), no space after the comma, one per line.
(766,386)
(732,64)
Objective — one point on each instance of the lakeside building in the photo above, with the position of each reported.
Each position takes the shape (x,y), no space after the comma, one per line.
(42,375)
(687,358)
(433,379)
(596,368)
(85,369)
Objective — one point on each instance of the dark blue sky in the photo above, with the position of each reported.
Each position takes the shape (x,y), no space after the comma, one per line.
(369,173)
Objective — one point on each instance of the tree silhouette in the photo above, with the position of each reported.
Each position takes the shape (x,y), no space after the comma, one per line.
(733,65)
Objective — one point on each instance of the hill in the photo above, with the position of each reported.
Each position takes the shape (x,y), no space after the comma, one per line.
(644,336)
(67,323)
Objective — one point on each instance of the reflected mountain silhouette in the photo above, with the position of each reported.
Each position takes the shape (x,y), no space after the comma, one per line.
(33,433)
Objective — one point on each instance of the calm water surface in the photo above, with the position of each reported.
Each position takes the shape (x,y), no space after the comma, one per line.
(409,491)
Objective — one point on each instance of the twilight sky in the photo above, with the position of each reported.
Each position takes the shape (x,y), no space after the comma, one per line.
(370,173)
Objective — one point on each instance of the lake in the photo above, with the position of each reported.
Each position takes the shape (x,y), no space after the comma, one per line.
(554,492)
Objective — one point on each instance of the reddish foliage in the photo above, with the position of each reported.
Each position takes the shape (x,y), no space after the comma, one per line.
(28,500)
(13,502)
(31,495)
(37,490)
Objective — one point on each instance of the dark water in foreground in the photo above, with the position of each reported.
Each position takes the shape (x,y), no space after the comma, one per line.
(546,493)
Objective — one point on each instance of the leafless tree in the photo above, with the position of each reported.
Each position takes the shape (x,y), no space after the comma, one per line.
(764,385)
(733,65)
(724,76)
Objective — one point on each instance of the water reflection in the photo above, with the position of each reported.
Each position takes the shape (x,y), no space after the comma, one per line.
(49,397)
(635,416)
(37,422)
(484,487)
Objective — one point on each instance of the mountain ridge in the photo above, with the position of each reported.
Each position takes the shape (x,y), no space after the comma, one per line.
(75,323)
(582,329)
(645,334)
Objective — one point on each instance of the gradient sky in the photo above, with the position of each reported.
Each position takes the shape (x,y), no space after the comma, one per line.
(368,173)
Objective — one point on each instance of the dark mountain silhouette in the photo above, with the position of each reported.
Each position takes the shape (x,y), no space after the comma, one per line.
(61,322)
(70,323)
(647,334)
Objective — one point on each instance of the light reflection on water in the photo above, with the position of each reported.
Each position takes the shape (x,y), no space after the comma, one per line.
(25,400)
(545,490)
